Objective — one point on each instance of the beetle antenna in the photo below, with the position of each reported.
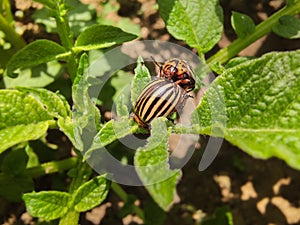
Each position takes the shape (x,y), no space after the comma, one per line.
(156,63)
(177,61)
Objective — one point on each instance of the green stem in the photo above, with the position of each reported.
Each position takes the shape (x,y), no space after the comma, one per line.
(66,36)
(123,195)
(10,34)
(119,191)
(6,8)
(63,27)
(71,218)
(83,173)
(261,29)
(51,167)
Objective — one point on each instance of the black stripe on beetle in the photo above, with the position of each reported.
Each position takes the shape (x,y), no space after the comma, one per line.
(159,98)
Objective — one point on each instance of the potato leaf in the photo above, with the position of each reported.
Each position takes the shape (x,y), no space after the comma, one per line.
(242,24)
(49,3)
(141,78)
(110,132)
(151,164)
(80,16)
(48,205)
(14,162)
(101,36)
(36,76)
(91,193)
(22,118)
(197,22)
(256,106)
(121,108)
(287,27)
(56,105)
(35,53)
(292,2)
(86,116)
(12,187)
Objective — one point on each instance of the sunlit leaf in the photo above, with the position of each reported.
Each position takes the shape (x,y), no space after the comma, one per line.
(101,36)
(197,22)
(48,205)
(91,194)
(256,106)
(22,118)
(242,24)
(35,53)
(287,27)
(151,164)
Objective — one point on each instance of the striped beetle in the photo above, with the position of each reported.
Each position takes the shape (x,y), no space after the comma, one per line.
(159,98)
(178,71)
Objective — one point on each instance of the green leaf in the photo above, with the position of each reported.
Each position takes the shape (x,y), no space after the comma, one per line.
(91,193)
(197,22)
(56,105)
(242,24)
(121,107)
(101,36)
(15,162)
(49,3)
(11,136)
(126,24)
(292,2)
(237,60)
(120,81)
(35,53)
(13,182)
(66,125)
(48,205)
(110,132)
(12,186)
(256,106)
(141,79)
(80,16)
(153,213)
(151,163)
(20,108)
(116,86)
(287,27)
(22,118)
(86,116)
(33,159)
(37,76)
(128,207)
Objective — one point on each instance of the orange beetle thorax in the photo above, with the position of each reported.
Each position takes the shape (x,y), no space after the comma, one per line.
(180,72)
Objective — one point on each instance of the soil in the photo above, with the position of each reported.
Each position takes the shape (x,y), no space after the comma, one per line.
(258,192)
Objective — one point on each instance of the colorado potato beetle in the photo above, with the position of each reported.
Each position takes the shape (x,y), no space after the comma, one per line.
(159,98)
(178,71)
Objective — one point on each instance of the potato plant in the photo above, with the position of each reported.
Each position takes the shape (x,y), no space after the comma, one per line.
(254,104)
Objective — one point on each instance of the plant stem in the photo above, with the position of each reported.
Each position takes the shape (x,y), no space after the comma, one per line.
(5,9)
(63,27)
(66,36)
(10,34)
(261,29)
(83,173)
(119,191)
(51,167)
(123,195)
(71,218)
